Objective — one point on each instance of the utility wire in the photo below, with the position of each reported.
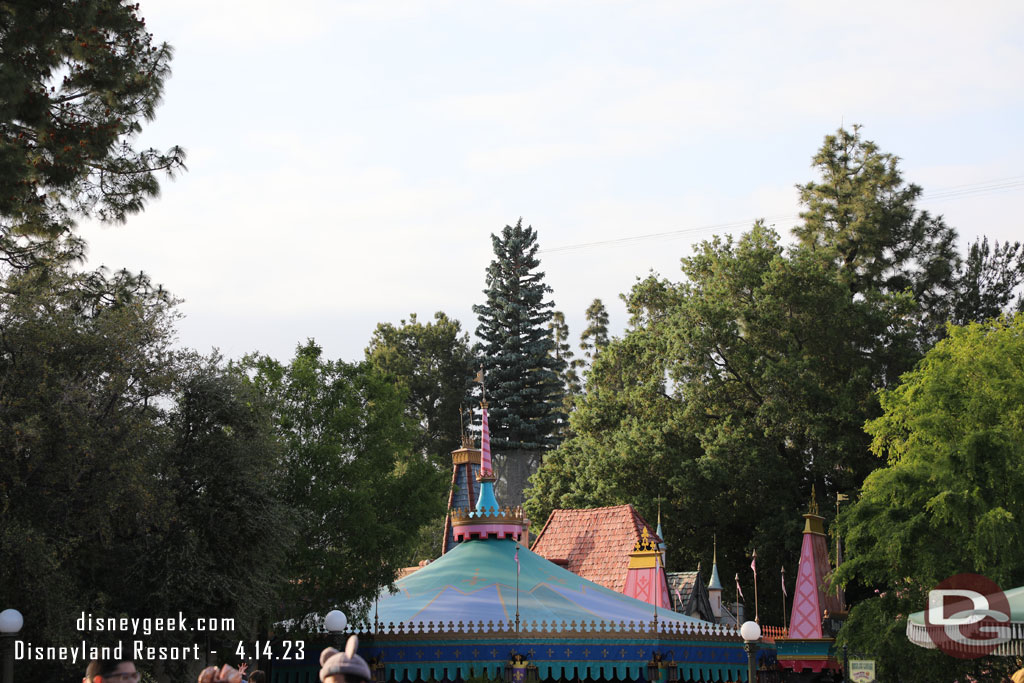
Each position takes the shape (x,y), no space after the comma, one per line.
(952,192)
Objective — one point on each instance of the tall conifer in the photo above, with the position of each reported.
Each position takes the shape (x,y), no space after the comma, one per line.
(516,346)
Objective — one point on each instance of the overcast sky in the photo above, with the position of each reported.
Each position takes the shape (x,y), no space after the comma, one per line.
(348,161)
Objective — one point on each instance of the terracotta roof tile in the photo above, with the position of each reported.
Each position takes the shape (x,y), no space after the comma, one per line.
(595,542)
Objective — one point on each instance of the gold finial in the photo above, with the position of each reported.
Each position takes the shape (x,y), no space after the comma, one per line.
(644,543)
(714,557)
(483,387)
(813,520)
(467,441)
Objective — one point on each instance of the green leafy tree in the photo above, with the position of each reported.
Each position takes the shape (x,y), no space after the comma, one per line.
(85,363)
(517,352)
(947,500)
(134,478)
(628,444)
(221,549)
(433,363)
(76,83)
(754,374)
(350,475)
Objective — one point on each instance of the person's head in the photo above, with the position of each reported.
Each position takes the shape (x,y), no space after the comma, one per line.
(111,671)
(344,667)
(257,676)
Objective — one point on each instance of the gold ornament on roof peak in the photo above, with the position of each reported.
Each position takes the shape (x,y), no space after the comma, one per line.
(644,544)
(813,507)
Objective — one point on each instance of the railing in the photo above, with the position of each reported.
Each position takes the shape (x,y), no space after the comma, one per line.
(543,628)
(770,633)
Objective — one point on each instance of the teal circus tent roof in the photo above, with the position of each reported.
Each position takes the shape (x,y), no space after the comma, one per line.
(476,582)
(489,599)
(456,617)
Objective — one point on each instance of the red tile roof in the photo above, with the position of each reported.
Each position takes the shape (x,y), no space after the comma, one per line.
(595,543)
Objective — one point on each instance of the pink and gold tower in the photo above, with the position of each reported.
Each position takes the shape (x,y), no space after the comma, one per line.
(486,519)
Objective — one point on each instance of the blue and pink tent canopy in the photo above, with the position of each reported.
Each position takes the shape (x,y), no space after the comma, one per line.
(476,582)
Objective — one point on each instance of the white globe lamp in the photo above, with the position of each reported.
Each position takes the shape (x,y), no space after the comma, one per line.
(335,621)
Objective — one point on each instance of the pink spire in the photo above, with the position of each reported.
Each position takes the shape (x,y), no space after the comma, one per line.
(485,445)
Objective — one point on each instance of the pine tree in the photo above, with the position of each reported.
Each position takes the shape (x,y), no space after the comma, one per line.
(595,337)
(987,283)
(563,353)
(862,216)
(517,352)
(77,79)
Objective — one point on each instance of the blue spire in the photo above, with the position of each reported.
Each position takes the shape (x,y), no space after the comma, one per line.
(715,584)
(486,501)
(486,504)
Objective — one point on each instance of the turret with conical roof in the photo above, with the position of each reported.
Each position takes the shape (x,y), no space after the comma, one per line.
(486,519)
(715,585)
(463,492)
(661,544)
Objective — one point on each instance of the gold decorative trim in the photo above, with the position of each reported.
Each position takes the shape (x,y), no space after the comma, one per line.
(815,524)
(647,559)
(505,515)
(466,455)
(646,543)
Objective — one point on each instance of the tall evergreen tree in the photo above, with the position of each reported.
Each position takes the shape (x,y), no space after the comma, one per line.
(516,350)
(563,353)
(595,337)
(77,80)
(987,283)
(861,215)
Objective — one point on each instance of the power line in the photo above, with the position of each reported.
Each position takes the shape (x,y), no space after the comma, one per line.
(952,192)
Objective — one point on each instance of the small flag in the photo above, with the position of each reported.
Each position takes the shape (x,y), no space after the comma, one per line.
(680,598)
(518,568)
(739,591)
(753,563)
(784,582)
(480,376)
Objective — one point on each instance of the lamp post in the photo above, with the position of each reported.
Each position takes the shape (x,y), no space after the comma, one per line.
(11,622)
(335,623)
(750,631)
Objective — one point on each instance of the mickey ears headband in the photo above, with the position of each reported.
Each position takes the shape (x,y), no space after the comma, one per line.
(350,650)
